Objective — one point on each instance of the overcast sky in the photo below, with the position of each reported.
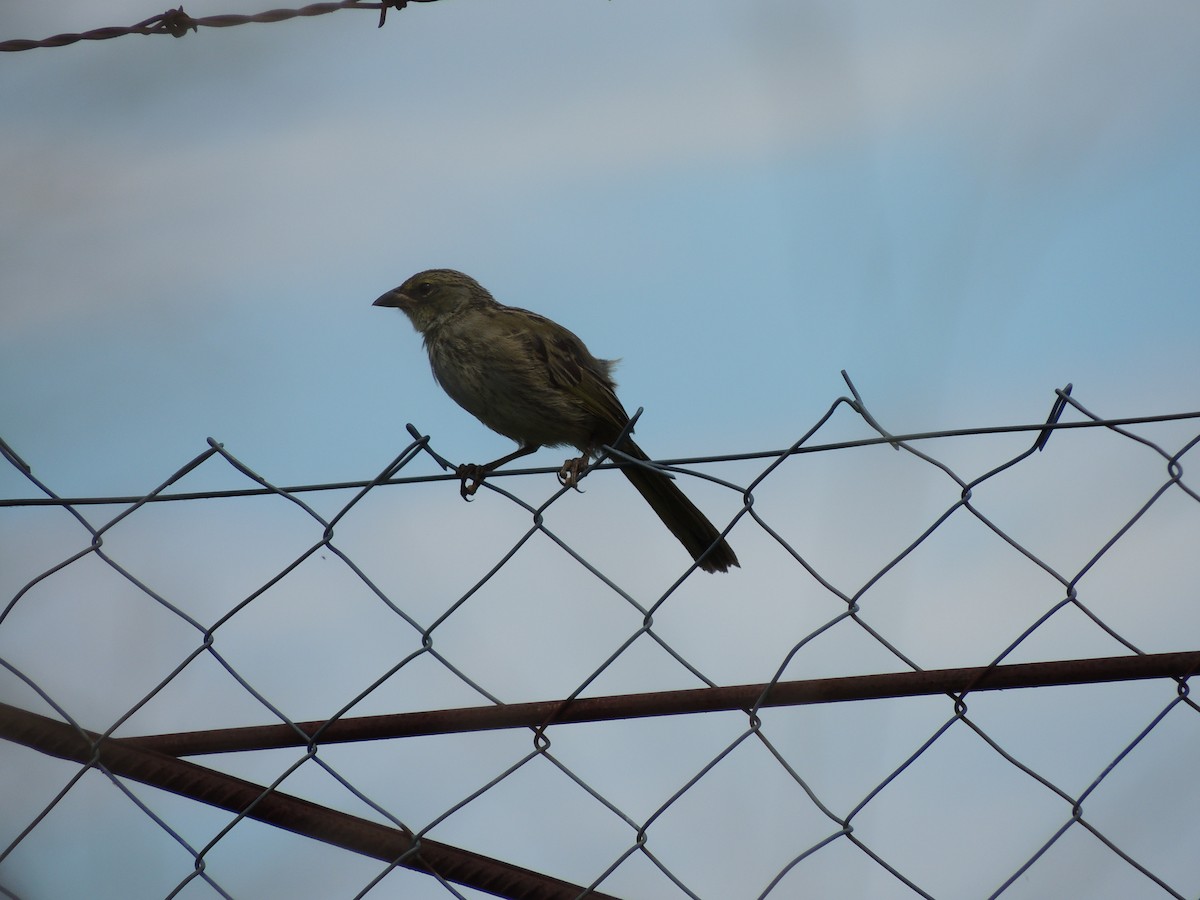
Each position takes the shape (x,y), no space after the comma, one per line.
(964,206)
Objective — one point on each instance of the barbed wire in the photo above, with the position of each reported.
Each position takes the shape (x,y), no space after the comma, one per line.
(639,853)
(178,23)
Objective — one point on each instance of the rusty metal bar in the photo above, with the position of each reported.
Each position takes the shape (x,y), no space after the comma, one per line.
(302,817)
(671,703)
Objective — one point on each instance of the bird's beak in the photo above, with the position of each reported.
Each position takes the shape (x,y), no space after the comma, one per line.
(392,298)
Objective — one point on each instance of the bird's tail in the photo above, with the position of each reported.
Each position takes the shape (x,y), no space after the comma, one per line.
(698,535)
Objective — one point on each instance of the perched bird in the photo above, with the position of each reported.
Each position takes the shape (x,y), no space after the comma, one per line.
(535,382)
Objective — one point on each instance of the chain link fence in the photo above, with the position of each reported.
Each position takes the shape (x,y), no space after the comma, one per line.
(953,664)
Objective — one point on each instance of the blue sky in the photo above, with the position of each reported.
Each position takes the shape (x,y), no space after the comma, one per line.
(948,203)
(965,207)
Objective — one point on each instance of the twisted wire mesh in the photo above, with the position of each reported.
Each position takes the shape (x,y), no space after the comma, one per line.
(504,698)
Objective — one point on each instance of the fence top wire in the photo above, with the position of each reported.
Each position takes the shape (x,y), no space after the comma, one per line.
(1043,430)
(635,852)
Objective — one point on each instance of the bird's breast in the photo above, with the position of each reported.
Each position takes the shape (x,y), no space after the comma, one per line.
(510,393)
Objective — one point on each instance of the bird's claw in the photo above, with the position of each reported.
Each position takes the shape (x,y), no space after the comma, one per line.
(570,473)
(471,477)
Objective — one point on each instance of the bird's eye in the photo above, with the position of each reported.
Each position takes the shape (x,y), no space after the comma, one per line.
(424,289)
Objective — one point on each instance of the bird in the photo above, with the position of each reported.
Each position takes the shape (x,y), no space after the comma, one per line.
(535,382)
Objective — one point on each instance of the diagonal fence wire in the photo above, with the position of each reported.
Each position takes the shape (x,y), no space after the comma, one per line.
(639,853)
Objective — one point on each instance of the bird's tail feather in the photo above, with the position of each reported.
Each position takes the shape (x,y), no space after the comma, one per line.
(698,535)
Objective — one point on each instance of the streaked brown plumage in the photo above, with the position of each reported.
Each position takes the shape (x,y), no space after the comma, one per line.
(535,382)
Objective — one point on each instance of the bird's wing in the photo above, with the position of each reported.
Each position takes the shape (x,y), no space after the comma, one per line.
(572,369)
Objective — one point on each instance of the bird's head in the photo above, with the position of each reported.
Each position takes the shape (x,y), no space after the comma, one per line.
(429,296)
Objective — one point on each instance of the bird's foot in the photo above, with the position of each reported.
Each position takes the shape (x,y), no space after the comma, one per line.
(471,476)
(570,473)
